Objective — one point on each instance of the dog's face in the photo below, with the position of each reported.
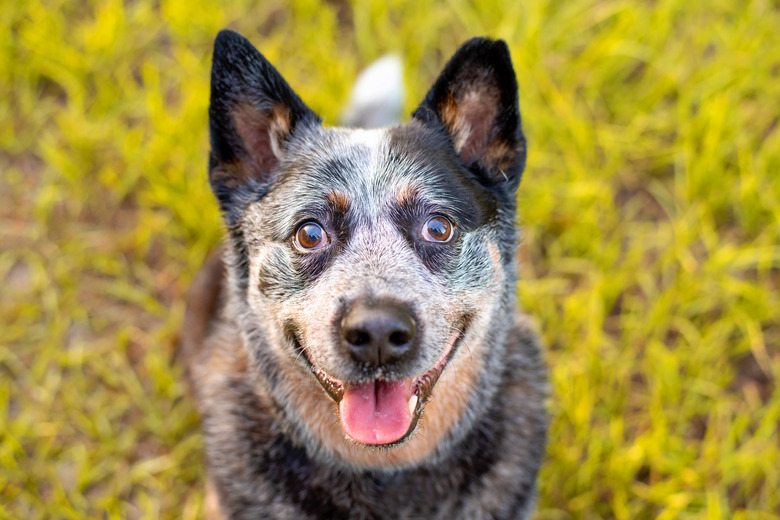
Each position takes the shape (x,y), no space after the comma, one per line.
(368,263)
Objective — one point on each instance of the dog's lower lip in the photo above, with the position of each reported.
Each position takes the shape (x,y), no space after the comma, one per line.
(423,386)
(333,387)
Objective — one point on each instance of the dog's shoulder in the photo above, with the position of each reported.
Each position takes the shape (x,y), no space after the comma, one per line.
(526,379)
(210,345)
(204,302)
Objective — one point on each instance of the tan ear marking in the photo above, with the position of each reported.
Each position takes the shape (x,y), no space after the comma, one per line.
(470,118)
(261,132)
(501,155)
(231,175)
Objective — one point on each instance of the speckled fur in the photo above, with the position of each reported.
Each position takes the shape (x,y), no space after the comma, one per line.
(274,444)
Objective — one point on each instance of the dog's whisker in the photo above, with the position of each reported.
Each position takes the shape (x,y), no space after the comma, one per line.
(300,351)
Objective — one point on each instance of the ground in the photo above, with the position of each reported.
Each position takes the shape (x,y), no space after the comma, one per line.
(650,264)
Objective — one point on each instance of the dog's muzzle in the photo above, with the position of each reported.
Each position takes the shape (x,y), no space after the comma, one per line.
(381,336)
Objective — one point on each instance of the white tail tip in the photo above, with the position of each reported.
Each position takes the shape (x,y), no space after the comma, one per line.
(378,95)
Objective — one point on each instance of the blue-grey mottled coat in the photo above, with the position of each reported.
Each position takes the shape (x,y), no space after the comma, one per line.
(322,221)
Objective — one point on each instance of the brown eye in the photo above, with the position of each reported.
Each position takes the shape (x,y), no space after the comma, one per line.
(437,229)
(311,236)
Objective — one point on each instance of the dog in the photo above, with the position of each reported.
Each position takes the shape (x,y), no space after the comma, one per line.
(355,349)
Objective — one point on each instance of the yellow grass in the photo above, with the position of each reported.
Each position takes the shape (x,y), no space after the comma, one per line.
(651,209)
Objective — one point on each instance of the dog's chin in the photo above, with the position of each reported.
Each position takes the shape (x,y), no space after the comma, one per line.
(384,412)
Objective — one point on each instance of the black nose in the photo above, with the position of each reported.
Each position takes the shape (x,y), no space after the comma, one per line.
(379,333)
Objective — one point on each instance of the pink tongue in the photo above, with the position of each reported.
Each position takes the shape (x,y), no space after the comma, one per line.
(376,412)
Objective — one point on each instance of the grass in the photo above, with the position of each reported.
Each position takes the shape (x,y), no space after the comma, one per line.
(650,206)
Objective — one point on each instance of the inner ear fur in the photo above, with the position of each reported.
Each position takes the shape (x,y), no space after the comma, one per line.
(262,133)
(252,115)
(475,100)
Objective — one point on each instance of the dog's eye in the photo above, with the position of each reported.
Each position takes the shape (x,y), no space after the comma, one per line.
(310,236)
(438,229)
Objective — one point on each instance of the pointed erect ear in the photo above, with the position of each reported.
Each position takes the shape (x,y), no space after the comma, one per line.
(475,99)
(252,115)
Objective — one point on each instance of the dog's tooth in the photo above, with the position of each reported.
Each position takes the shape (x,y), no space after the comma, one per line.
(412,404)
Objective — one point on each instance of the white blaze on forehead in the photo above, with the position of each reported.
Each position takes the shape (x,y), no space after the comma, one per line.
(379,182)
(373,140)
(371,180)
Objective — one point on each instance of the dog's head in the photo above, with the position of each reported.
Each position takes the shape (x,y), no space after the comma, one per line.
(376,265)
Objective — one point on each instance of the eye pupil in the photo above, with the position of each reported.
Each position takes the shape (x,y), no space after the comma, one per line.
(310,235)
(437,229)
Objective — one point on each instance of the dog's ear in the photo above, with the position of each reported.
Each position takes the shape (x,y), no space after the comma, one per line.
(475,99)
(252,115)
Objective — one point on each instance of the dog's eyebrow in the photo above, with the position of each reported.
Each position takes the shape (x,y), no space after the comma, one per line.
(415,202)
(339,201)
(407,195)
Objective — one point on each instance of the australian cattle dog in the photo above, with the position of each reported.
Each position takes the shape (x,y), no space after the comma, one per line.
(355,347)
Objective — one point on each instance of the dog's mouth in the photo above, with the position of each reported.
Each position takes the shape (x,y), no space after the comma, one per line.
(384,412)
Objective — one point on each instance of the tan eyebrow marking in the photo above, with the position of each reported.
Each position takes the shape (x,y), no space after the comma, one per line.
(339,201)
(406,195)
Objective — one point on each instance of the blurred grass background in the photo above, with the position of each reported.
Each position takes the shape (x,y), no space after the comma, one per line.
(651,209)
